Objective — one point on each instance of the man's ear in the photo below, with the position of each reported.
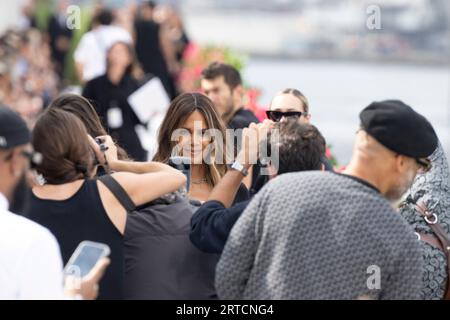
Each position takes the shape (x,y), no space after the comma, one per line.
(308,117)
(400,163)
(15,163)
(238,93)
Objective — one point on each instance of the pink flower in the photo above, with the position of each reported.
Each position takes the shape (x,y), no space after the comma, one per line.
(191,51)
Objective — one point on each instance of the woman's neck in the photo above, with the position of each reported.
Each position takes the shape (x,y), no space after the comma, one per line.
(198,172)
(115,74)
(58,192)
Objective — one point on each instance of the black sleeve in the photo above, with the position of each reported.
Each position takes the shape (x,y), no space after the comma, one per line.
(212,223)
(242,194)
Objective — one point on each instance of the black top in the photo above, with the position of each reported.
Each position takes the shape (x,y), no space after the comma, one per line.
(160,261)
(242,194)
(150,54)
(242,119)
(79,218)
(212,224)
(57,30)
(105,96)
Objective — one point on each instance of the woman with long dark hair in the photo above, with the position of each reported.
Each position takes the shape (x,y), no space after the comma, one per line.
(186,131)
(154,230)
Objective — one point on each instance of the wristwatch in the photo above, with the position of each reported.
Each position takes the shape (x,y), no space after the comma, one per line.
(239,167)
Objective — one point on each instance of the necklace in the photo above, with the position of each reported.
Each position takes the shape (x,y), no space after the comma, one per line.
(201,181)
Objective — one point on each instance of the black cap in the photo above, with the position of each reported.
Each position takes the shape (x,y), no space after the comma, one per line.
(399,128)
(13,129)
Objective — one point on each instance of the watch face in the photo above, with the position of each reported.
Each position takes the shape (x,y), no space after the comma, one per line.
(238,166)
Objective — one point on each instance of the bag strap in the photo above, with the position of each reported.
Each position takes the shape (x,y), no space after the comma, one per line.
(440,239)
(119,192)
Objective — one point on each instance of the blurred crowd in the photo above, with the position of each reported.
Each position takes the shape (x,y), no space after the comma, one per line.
(36,58)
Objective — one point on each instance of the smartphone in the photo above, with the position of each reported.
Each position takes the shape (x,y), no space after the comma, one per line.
(85,258)
(184,165)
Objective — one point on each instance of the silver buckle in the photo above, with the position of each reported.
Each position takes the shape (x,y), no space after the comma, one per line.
(435,219)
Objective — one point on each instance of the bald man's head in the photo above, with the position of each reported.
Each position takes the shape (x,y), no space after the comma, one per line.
(368,149)
(390,172)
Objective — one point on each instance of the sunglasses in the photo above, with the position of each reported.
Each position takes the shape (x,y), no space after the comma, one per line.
(276,116)
(35,158)
(425,165)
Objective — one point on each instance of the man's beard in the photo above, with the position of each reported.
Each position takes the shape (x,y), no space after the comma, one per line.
(20,196)
(398,191)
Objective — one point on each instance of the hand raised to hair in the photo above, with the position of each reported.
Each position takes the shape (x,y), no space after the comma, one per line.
(106,151)
(252,137)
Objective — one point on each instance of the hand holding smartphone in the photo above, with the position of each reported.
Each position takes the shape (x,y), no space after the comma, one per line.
(85,257)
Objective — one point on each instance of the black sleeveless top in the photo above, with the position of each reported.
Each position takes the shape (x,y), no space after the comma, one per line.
(79,218)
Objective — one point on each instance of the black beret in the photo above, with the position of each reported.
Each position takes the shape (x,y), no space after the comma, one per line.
(399,128)
(13,129)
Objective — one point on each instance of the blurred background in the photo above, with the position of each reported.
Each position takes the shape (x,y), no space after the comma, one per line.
(325,48)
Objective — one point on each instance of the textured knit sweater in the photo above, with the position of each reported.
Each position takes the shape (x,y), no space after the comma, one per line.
(320,235)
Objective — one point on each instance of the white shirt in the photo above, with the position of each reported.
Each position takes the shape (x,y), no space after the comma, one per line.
(30,260)
(93,47)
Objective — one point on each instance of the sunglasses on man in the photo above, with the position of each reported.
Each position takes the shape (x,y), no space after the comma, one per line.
(425,165)
(276,116)
(35,158)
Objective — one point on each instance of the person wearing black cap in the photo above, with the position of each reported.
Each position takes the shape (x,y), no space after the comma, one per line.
(29,254)
(323,235)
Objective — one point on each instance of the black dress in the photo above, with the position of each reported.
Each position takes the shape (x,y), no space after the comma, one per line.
(150,55)
(79,218)
(107,96)
(57,29)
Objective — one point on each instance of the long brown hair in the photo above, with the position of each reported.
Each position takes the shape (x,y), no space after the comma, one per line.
(62,140)
(180,109)
(83,110)
(134,68)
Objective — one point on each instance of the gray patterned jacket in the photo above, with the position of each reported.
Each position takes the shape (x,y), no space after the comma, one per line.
(433,188)
(316,235)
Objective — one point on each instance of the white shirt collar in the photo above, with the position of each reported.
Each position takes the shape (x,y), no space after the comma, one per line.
(4,204)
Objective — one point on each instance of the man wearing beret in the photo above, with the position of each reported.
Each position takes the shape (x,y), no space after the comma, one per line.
(323,235)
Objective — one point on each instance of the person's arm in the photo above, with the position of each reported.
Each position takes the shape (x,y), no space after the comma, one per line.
(235,265)
(79,72)
(139,167)
(212,223)
(108,158)
(143,181)
(81,55)
(144,188)
(225,191)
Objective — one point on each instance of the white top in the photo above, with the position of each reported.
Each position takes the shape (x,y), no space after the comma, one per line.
(30,260)
(93,47)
